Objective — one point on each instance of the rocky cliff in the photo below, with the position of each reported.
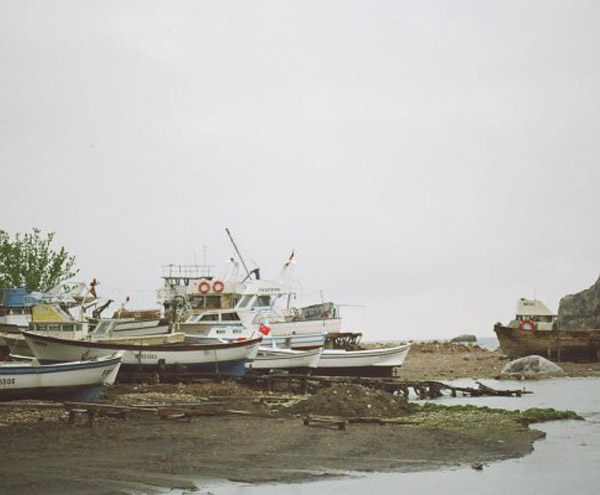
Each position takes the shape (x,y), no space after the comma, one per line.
(581,310)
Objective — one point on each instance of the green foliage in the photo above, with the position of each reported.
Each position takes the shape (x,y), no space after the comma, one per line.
(29,261)
(532,415)
(539,415)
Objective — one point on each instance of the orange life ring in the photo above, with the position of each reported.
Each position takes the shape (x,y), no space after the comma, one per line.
(527,326)
(218,286)
(203,287)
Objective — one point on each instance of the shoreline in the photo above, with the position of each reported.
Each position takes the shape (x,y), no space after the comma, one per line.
(145,453)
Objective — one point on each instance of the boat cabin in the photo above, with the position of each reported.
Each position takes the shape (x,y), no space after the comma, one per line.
(534,311)
(51,319)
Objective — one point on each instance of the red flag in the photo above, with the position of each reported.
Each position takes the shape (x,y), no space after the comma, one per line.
(264,329)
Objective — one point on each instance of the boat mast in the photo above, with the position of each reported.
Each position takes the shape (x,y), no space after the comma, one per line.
(238,252)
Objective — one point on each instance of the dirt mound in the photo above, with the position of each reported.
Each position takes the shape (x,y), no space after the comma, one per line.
(353,400)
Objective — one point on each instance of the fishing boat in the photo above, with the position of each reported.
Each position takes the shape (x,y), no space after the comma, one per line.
(344,356)
(534,331)
(226,307)
(78,380)
(222,358)
(272,359)
(48,319)
(269,357)
(16,303)
(15,309)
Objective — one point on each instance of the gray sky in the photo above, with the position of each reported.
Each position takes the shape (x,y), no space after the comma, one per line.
(430,160)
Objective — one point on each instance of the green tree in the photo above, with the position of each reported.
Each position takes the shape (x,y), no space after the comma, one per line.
(29,261)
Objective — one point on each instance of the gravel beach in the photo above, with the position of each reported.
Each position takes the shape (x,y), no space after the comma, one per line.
(43,453)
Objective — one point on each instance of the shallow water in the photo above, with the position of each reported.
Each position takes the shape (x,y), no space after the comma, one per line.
(567,461)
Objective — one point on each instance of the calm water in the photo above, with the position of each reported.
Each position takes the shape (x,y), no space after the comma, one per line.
(567,461)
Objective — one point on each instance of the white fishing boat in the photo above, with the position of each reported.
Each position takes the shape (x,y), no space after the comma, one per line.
(73,380)
(223,358)
(220,306)
(350,360)
(269,358)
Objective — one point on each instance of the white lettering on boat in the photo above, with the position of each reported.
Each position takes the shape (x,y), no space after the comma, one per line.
(146,356)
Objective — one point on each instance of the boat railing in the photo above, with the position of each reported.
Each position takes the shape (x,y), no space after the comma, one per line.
(179,272)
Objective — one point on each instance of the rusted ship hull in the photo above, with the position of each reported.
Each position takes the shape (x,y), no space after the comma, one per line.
(556,345)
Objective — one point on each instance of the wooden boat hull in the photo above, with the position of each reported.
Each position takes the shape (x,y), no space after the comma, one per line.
(71,380)
(383,361)
(227,358)
(556,345)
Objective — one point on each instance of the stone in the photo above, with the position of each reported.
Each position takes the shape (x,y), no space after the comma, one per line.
(580,311)
(466,337)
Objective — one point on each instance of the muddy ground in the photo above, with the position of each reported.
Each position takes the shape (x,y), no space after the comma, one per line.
(441,361)
(42,453)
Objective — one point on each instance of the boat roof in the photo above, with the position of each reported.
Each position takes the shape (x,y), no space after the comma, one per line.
(528,307)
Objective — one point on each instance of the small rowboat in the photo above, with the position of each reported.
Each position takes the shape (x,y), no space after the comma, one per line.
(383,361)
(271,358)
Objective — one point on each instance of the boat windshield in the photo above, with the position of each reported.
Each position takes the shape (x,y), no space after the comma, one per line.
(103,329)
(245,301)
(210,317)
(230,317)
(206,302)
(262,302)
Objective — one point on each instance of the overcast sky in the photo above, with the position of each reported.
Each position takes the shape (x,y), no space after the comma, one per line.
(429,161)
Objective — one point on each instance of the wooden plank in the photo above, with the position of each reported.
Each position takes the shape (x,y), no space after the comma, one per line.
(30,405)
(325,421)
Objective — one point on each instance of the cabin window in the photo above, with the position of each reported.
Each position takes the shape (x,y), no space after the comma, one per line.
(245,301)
(213,302)
(210,317)
(262,302)
(230,317)
(197,303)
(233,302)
(193,319)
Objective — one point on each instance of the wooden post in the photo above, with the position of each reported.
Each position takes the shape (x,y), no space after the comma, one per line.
(91,416)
